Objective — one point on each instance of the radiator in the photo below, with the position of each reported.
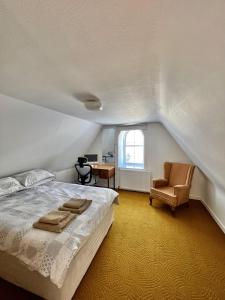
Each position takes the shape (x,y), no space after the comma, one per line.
(134,180)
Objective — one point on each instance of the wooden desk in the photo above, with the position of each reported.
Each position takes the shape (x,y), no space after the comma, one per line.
(104,171)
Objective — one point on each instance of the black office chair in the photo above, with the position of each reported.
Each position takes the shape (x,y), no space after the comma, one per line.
(84,172)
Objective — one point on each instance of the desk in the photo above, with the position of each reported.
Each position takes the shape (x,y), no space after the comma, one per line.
(104,171)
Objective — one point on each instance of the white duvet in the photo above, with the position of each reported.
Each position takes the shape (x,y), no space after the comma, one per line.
(49,253)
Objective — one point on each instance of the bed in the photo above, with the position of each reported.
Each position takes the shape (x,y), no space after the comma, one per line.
(48,264)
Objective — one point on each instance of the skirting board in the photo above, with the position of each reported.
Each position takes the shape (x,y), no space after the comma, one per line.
(216,219)
(132,190)
(194,197)
(213,215)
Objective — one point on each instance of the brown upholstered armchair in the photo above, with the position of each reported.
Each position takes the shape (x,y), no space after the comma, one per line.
(175,187)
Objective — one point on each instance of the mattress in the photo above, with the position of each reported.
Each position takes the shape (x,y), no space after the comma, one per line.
(12,270)
(47,253)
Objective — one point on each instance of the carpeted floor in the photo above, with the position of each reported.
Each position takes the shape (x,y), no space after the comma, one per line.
(148,254)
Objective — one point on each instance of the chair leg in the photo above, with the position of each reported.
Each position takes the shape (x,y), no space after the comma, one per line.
(173,210)
(150,200)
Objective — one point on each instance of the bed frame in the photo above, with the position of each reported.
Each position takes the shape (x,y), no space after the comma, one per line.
(12,270)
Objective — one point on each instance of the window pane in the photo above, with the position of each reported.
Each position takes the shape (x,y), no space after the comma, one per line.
(130,137)
(129,154)
(134,154)
(139,155)
(134,137)
(138,137)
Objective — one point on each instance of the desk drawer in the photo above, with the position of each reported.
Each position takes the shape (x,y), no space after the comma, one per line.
(95,172)
(105,174)
(101,173)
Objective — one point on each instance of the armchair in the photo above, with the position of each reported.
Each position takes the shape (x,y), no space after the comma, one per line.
(175,187)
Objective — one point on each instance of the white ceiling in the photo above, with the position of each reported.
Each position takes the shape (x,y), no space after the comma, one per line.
(125,52)
(54,53)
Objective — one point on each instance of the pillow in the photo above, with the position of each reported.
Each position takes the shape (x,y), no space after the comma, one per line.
(31,177)
(44,181)
(9,185)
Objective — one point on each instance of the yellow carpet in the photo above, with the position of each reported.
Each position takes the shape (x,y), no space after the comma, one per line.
(148,254)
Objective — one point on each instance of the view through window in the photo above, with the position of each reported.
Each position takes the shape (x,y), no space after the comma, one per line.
(131,149)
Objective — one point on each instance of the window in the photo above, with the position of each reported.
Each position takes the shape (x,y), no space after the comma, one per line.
(131,149)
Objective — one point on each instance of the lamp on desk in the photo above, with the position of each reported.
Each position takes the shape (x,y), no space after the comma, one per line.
(107,155)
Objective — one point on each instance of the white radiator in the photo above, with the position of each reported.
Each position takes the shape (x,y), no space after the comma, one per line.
(134,180)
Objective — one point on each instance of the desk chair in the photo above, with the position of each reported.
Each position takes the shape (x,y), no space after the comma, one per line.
(84,172)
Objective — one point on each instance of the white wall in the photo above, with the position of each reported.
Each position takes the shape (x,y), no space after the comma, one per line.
(108,143)
(35,137)
(96,146)
(160,146)
(214,202)
(163,147)
(104,143)
(67,175)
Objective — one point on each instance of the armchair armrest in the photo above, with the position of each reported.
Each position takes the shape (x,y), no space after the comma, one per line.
(159,182)
(181,187)
(182,193)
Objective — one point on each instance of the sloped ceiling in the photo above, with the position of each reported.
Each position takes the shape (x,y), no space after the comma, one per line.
(192,81)
(54,53)
(146,61)
(35,137)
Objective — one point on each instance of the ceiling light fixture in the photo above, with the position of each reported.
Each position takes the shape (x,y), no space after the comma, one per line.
(93,104)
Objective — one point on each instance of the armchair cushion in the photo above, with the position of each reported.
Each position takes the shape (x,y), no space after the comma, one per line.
(164,193)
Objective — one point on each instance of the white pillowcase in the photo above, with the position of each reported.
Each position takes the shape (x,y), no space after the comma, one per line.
(9,185)
(31,177)
(44,181)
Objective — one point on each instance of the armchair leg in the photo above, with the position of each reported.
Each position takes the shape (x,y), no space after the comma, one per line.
(150,200)
(173,210)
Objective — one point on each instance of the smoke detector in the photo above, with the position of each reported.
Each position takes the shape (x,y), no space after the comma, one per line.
(93,104)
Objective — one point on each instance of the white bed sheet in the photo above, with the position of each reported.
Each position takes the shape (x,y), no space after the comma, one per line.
(49,253)
(13,271)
